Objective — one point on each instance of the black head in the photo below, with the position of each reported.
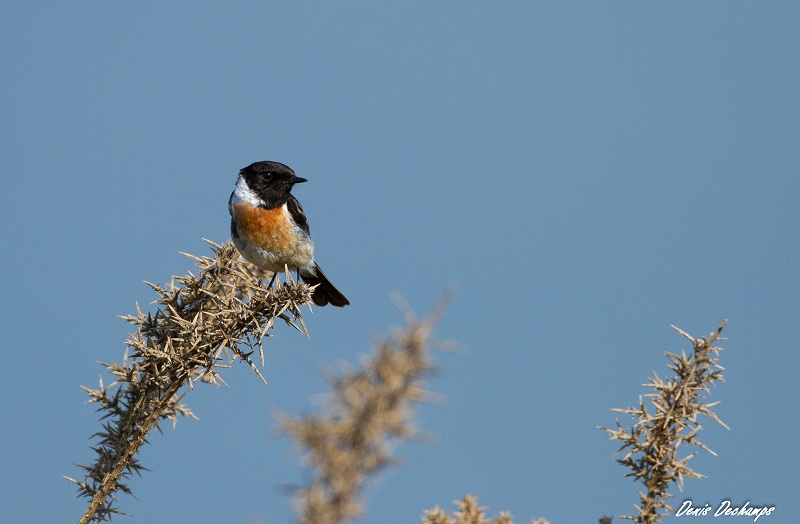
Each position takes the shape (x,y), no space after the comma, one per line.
(271,181)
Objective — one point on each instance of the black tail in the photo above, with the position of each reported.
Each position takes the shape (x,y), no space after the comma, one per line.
(325,293)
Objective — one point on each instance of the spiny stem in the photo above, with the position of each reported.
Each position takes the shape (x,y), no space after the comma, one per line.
(123,461)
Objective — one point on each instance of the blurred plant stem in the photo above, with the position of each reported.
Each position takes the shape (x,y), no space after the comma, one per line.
(368,409)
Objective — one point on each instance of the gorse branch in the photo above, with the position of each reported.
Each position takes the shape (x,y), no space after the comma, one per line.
(369,408)
(202,323)
(651,444)
(469,512)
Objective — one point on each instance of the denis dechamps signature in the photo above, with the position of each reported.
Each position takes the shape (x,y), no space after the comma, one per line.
(724,509)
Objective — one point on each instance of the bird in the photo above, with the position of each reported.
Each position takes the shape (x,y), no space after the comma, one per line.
(270,229)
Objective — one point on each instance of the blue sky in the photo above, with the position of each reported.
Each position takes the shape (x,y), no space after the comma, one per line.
(583,174)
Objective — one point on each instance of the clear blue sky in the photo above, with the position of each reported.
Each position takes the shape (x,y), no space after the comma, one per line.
(584,174)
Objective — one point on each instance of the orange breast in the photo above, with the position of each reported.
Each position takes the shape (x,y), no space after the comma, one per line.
(270,229)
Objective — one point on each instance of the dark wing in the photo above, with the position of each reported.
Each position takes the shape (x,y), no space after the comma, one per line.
(296,211)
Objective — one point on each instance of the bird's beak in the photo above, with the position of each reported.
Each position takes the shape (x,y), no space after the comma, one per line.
(297,180)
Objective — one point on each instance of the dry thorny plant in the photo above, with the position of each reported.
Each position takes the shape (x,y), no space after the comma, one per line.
(368,409)
(469,512)
(651,444)
(201,324)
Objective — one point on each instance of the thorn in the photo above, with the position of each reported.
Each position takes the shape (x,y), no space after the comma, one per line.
(684,333)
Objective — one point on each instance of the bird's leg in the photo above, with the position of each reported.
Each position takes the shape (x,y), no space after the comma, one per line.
(298,275)
(272,280)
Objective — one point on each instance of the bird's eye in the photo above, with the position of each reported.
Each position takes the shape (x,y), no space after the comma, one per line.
(268,176)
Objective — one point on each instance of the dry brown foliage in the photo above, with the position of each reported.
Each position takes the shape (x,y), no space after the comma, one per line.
(368,409)
(201,324)
(469,512)
(651,444)
(204,322)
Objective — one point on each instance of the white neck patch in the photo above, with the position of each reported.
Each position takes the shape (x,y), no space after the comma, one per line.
(243,193)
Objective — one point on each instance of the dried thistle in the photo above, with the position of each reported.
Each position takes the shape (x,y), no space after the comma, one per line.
(368,409)
(202,323)
(651,444)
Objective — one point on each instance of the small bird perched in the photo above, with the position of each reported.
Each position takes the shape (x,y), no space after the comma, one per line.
(270,230)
